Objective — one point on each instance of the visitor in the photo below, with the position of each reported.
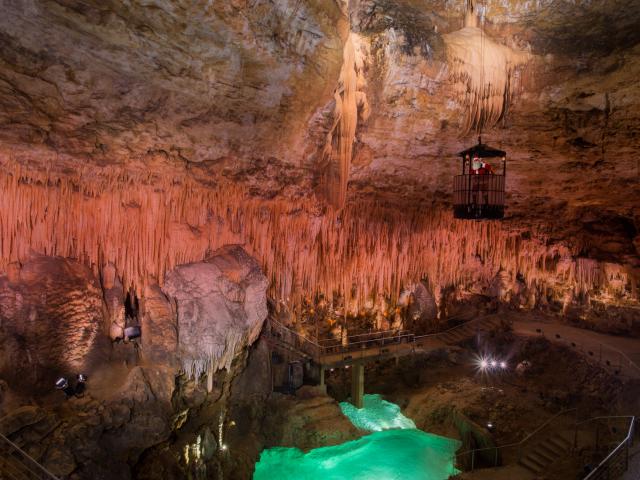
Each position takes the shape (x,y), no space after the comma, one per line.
(486,169)
(476,165)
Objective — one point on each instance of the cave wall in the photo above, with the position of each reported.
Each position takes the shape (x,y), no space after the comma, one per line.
(136,138)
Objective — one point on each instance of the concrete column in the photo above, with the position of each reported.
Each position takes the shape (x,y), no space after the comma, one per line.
(357,385)
(322,386)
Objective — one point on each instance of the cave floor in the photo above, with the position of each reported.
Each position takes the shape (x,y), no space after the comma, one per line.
(433,389)
(619,351)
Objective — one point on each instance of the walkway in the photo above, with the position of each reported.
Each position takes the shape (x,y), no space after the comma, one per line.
(617,354)
(373,346)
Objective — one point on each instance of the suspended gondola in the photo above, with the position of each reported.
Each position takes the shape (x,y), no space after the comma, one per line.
(478,192)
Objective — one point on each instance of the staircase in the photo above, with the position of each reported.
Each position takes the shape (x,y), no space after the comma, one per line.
(542,455)
(15,464)
(467,330)
(286,339)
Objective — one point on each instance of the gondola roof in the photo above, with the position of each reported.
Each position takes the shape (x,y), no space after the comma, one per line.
(482,150)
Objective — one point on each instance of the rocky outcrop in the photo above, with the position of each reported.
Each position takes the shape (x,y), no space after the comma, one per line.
(310,420)
(131,409)
(159,326)
(51,321)
(221,304)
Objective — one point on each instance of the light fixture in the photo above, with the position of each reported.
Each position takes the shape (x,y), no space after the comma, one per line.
(494,363)
(483,364)
(62,383)
(224,447)
(503,365)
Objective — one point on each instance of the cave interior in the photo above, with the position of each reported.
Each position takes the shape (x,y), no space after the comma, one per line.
(313,239)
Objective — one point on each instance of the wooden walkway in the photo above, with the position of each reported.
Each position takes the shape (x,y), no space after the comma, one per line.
(373,346)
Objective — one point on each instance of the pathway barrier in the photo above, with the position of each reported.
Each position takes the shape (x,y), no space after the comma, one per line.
(16,464)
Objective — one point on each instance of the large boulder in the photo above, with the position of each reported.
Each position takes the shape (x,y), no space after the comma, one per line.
(221,305)
(159,326)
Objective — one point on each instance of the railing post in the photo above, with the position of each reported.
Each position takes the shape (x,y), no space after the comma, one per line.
(626,457)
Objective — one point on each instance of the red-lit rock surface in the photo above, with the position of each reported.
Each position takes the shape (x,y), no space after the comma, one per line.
(153,110)
(55,322)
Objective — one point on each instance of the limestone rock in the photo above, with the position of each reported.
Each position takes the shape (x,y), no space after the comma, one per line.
(59,462)
(221,305)
(20,418)
(51,319)
(159,326)
(307,423)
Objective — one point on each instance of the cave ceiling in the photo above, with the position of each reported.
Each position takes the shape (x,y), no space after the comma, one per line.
(244,90)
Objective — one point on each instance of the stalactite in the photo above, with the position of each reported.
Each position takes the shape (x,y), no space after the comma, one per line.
(482,71)
(350,105)
(145,228)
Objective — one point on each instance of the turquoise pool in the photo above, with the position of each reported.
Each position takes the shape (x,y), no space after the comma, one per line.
(396,450)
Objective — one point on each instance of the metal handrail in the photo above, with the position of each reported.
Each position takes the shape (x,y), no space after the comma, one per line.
(320,350)
(42,472)
(334,342)
(603,466)
(323,340)
(574,343)
(519,443)
(444,332)
(294,332)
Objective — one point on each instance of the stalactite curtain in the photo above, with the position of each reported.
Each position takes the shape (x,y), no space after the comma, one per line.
(146,229)
(482,72)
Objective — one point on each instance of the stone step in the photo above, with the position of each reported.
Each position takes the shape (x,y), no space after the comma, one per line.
(540,463)
(542,457)
(561,443)
(532,467)
(542,453)
(550,450)
(11,468)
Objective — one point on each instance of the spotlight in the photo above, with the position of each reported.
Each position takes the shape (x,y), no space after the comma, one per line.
(494,363)
(62,383)
(483,364)
(224,446)
(81,380)
(503,365)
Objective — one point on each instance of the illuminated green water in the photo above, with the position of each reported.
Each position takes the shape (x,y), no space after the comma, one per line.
(377,414)
(396,450)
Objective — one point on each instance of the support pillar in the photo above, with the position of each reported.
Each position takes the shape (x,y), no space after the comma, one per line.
(357,385)
(322,386)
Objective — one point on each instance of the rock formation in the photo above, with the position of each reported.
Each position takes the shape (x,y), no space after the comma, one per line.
(51,321)
(221,304)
